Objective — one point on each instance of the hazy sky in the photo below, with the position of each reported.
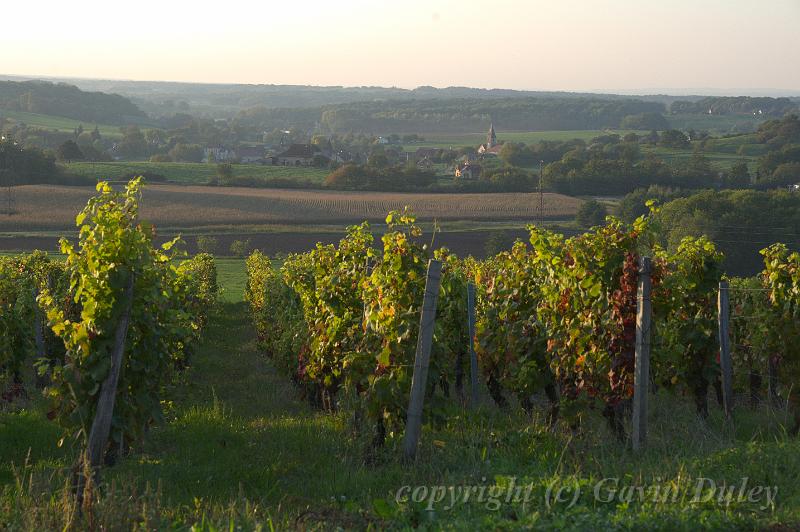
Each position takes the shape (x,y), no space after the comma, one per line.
(533,44)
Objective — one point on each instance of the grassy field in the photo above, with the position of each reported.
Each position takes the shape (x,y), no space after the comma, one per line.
(721,160)
(747,143)
(528,137)
(53,208)
(714,124)
(192,173)
(240,450)
(59,123)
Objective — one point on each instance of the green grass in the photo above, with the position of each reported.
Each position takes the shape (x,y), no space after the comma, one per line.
(232,278)
(192,173)
(240,448)
(730,144)
(715,124)
(722,161)
(748,144)
(59,123)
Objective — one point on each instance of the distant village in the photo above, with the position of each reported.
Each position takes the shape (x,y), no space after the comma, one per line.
(319,154)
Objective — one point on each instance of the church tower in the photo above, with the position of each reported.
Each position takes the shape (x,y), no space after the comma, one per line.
(491,138)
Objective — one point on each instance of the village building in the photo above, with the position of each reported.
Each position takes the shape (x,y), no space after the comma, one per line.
(297,155)
(345,156)
(218,154)
(429,153)
(491,148)
(468,170)
(250,154)
(425,164)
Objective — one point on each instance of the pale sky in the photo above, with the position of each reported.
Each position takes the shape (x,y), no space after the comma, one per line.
(535,44)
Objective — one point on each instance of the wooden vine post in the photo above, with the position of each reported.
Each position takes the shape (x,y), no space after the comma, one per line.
(38,334)
(473,358)
(367,265)
(641,375)
(725,362)
(422,358)
(101,425)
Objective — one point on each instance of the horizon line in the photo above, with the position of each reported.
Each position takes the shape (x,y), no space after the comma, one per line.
(640,91)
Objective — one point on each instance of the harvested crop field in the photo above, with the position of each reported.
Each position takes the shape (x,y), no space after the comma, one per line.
(462,243)
(53,208)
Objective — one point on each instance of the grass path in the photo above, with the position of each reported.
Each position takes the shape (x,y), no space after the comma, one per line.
(239,439)
(239,432)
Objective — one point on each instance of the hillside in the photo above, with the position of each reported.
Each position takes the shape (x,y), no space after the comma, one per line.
(453,115)
(57,123)
(68,101)
(736,105)
(223,99)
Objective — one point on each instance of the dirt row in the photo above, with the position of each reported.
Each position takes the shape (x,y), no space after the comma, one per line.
(462,243)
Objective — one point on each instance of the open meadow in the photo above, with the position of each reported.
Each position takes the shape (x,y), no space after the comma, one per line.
(721,160)
(715,124)
(58,123)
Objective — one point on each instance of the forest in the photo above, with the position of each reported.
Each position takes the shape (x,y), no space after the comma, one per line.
(61,99)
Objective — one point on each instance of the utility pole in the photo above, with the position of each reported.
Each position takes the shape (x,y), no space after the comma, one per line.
(10,203)
(541,193)
(7,177)
(7,183)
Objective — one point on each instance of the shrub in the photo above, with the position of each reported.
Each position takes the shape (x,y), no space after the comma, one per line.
(207,244)
(239,248)
(591,213)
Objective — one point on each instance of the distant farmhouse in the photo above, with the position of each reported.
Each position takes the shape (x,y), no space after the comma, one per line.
(298,155)
(344,156)
(425,164)
(219,154)
(491,148)
(427,153)
(250,154)
(468,170)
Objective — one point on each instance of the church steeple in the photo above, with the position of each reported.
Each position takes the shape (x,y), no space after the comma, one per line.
(491,138)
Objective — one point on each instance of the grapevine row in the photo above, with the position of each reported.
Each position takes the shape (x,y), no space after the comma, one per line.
(63,315)
(555,315)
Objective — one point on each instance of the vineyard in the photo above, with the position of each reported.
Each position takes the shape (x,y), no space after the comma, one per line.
(557,317)
(109,327)
(423,366)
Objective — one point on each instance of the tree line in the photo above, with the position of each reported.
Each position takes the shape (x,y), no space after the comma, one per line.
(740,222)
(724,105)
(462,115)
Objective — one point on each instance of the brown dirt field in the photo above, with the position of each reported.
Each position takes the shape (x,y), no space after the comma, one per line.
(53,208)
(461,242)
